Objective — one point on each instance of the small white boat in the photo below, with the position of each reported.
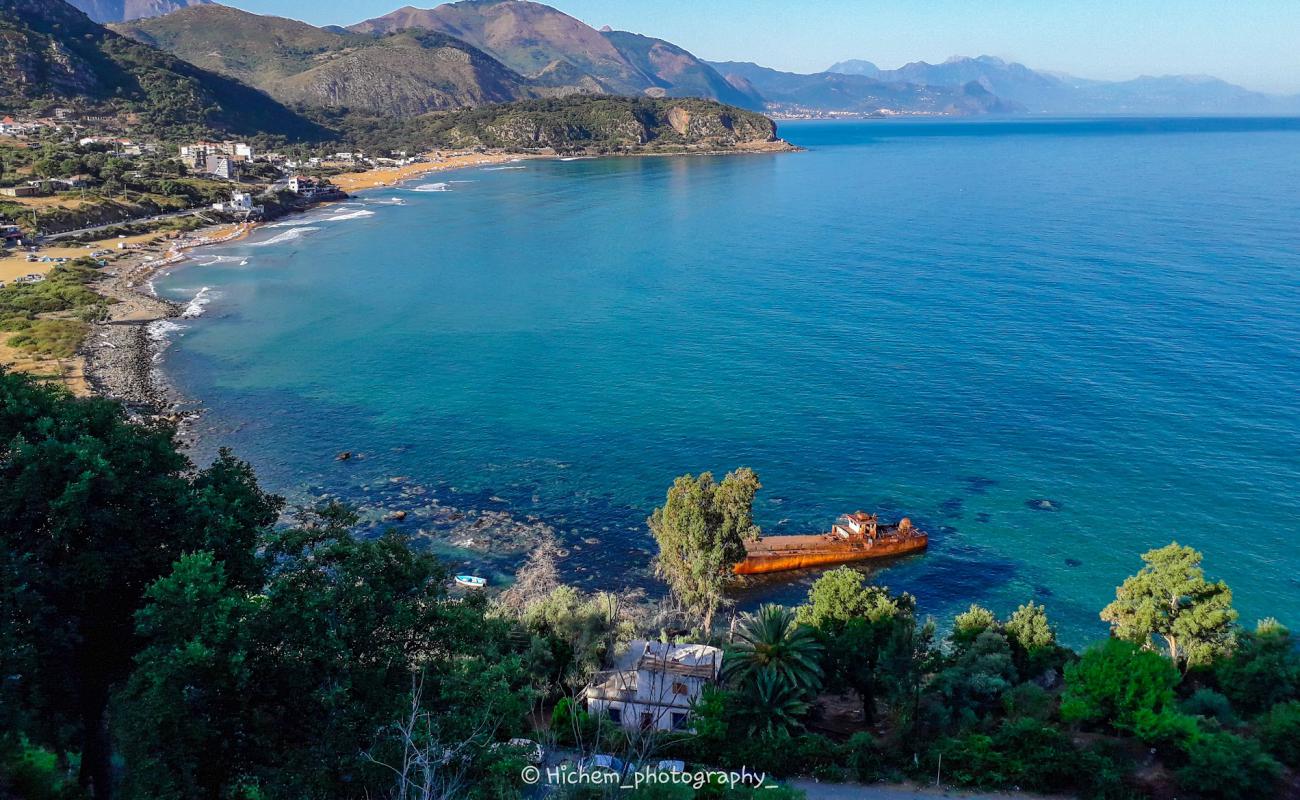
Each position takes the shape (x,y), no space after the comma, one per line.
(471,581)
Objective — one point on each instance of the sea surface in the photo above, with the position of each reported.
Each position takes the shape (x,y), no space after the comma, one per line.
(1054,344)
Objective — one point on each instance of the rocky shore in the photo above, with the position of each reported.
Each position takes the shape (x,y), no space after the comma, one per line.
(121,352)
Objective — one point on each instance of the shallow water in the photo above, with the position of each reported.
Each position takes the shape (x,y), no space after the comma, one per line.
(954,321)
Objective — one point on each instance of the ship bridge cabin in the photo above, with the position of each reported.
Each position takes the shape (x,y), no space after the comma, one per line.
(858,525)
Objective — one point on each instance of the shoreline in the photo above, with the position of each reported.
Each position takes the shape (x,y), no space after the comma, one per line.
(119,357)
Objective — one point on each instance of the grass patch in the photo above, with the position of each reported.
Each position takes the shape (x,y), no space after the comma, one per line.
(51,338)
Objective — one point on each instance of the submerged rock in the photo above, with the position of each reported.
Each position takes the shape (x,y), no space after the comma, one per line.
(1043,504)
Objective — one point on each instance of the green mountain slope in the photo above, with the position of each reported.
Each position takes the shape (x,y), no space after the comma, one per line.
(402,74)
(52,53)
(525,36)
(595,125)
(677,72)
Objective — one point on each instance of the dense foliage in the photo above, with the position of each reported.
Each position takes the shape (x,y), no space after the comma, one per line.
(168,632)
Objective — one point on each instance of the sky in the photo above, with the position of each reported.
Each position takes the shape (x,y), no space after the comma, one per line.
(1254,43)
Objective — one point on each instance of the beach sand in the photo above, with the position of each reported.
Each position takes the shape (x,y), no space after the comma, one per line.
(124,373)
(14,263)
(436,162)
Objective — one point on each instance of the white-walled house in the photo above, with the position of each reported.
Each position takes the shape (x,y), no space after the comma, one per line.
(656,686)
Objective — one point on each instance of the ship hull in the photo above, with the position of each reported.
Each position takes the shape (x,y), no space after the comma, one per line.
(782,553)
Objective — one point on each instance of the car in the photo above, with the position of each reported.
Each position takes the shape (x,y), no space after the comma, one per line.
(601,762)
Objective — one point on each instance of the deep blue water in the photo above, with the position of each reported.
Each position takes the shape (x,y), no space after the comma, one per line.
(947,320)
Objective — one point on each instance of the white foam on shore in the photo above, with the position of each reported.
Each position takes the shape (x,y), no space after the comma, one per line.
(288,236)
(160,330)
(220,260)
(291,223)
(364,212)
(196,306)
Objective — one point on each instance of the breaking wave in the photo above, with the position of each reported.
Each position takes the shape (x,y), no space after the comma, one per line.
(197,305)
(296,232)
(432,187)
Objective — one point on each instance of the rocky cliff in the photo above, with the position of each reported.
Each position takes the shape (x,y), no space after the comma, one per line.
(594,125)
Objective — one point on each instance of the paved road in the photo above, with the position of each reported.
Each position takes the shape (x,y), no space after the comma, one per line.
(156,218)
(857,791)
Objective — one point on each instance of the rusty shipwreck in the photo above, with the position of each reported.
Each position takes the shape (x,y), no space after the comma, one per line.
(853,537)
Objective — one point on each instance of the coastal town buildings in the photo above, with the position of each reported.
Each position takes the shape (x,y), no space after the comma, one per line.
(308,187)
(655,685)
(239,151)
(221,166)
(239,203)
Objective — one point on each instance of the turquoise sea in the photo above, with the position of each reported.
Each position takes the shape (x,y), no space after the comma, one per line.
(950,320)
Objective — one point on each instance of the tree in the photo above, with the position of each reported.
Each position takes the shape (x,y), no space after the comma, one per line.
(96,508)
(771,641)
(968,625)
(1029,629)
(971,686)
(580,632)
(772,705)
(701,530)
(1224,766)
(295,689)
(1171,598)
(1264,669)
(1118,683)
(854,622)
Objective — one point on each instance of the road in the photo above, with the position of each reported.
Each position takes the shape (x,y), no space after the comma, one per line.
(891,791)
(156,218)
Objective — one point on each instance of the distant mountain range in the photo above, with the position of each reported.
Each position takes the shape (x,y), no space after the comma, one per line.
(476,52)
(1046,92)
(792,93)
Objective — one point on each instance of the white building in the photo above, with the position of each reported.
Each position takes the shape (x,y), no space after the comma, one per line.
(221,167)
(239,203)
(655,686)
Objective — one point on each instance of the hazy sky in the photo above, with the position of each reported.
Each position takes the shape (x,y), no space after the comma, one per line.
(1255,43)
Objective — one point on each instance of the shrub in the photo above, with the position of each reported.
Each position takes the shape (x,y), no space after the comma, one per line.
(1279,731)
(865,758)
(1114,681)
(1223,766)
(1211,705)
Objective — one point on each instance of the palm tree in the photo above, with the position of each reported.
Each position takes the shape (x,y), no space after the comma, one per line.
(771,641)
(772,705)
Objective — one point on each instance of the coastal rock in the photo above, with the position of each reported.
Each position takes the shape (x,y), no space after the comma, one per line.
(1043,504)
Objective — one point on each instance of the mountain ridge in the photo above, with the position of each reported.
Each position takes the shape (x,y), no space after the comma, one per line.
(60,55)
(1041,91)
(402,74)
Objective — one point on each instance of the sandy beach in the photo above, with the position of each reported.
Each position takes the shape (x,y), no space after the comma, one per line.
(435,162)
(110,361)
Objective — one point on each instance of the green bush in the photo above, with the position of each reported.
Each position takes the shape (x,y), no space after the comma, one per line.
(865,758)
(33,773)
(1223,766)
(1279,731)
(1114,681)
(1210,705)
